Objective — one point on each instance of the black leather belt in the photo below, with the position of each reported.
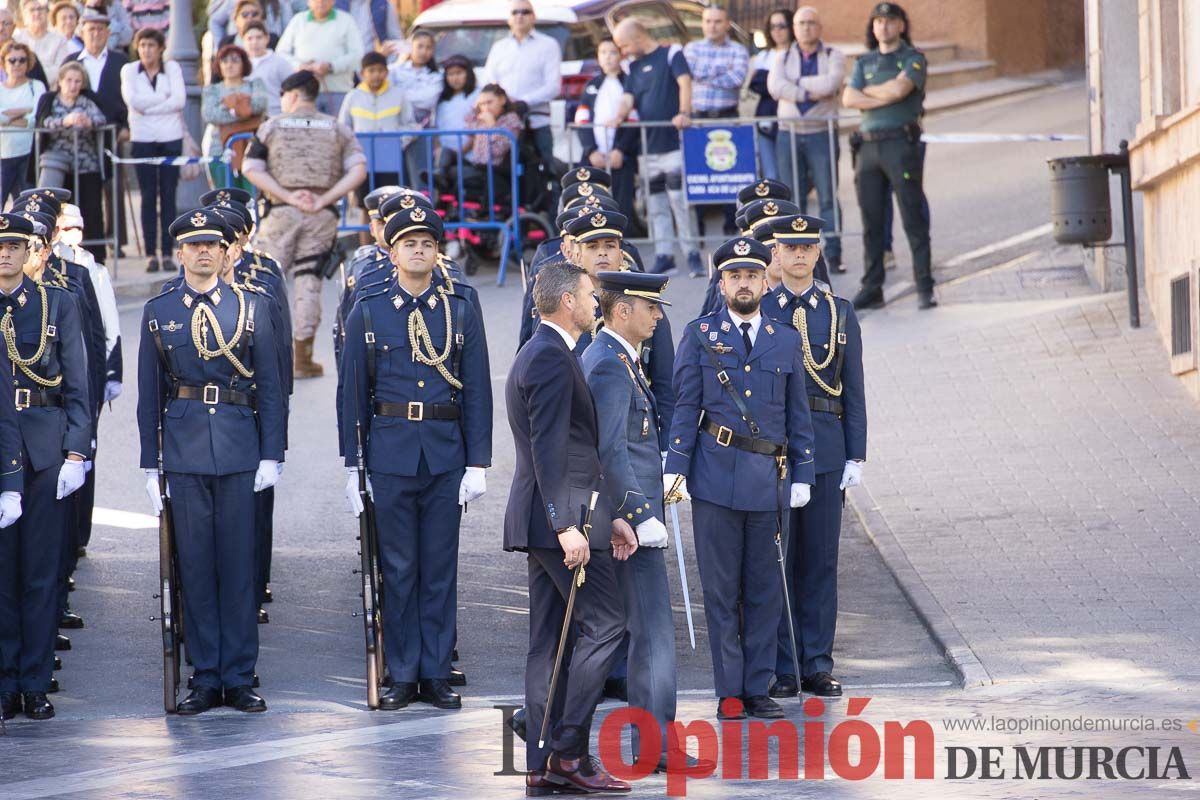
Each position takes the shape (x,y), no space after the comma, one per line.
(417,411)
(31,398)
(727,438)
(825,404)
(211,395)
(889,133)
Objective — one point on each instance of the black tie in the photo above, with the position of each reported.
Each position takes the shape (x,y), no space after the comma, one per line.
(745,326)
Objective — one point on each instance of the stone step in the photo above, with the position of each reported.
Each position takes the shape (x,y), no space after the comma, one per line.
(949,74)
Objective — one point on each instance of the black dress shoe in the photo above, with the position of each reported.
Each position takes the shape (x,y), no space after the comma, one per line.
(267,596)
(517,723)
(763,707)
(243,698)
(617,689)
(57,663)
(263,617)
(731,708)
(457,677)
(53,686)
(865,299)
(400,695)
(822,684)
(688,762)
(437,693)
(199,701)
(454,654)
(10,704)
(62,642)
(37,705)
(926,302)
(784,686)
(70,619)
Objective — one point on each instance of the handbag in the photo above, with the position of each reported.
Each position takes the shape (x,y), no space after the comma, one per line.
(248,124)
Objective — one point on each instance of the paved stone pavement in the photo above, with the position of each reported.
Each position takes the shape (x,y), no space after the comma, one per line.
(1037,463)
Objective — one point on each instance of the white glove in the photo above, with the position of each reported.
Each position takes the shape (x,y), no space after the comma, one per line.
(152,491)
(267,475)
(851,475)
(112,390)
(473,485)
(651,533)
(281,469)
(801,494)
(70,477)
(669,483)
(10,508)
(87,466)
(352,495)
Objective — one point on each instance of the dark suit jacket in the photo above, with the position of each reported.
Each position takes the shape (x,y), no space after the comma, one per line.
(108,93)
(555,436)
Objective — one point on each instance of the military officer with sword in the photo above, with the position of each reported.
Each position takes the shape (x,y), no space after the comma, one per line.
(742,444)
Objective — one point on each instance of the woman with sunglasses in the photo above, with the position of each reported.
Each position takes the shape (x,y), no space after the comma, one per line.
(779,34)
(18,99)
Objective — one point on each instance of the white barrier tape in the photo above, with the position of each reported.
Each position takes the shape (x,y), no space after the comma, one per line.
(989,138)
(172,161)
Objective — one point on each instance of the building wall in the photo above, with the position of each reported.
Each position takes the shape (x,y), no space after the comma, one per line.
(1165,167)
(1024,36)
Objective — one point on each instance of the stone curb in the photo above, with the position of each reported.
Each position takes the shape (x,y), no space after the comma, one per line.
(937,621)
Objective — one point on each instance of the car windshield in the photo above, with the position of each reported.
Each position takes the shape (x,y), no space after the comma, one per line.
(475,41)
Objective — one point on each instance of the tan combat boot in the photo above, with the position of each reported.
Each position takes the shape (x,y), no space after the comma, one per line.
(303,365)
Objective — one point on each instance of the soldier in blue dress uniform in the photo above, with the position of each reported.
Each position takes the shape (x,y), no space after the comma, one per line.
(831,349)
(208,374)
(44,344)
(742,446)
(415,375)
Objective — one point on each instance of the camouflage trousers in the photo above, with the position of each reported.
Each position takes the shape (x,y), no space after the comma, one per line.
(291,236)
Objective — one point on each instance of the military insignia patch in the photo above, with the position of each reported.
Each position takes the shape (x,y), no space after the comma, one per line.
(187,300)
(407,201)
(799,224)
(585,190)
(199,219)
(782,301)
(813,301)
(223,197)
(722,349)
(725,327)
(583,174)
(172,326)
(770,329)
(742,248)
(599,221)
(3,224)
(771,208)
(762,190)
(216,296)
(22,299)
(712,337)
(417,215)
(397,301)
(432,301)
(704,327)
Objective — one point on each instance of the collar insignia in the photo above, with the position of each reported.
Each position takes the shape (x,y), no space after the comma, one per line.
(583,174)
(782,301)
(22,299)
(432,301)
(812,300)
(771,208)
(199,219)
(742,248)
(725,327)
(398,302)
(417,215)
(769,329)
(187,300)
(599,221)
(799,224)
(216,296)
(762,190)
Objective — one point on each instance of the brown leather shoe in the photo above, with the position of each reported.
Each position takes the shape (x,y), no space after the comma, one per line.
(586,774)
(303,365)
(538,785)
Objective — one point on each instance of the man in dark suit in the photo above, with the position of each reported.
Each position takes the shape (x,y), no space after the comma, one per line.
(558,467)
(104,76)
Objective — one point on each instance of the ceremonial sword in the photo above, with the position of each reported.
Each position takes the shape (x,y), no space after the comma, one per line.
(672,503)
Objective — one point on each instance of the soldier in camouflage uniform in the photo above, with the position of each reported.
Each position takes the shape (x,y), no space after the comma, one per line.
(304,162)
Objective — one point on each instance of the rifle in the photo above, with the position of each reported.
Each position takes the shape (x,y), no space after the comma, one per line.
(368,547)
(170,596)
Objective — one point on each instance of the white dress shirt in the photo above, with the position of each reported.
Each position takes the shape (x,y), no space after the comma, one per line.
(755,324)
(628,347)
(529,70)
(94,66)
(566,337)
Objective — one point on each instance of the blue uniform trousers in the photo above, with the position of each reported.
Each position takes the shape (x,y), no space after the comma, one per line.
(736,553)
(651,636)
(418,521)
(264,540)
(214,537)
(811,558)
(30,553)
(599,623)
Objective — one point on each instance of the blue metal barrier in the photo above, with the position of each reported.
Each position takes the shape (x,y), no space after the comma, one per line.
(396,155)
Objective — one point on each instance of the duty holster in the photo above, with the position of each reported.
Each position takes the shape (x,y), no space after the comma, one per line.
(856,141)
